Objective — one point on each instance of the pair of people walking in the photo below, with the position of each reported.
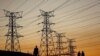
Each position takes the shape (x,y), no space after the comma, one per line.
(81,53)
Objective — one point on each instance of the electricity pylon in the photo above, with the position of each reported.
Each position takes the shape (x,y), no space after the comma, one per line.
(47,43)
(61,48)
(71,47)
(12,41)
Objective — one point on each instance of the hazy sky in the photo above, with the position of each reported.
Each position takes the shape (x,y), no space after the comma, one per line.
(78,19)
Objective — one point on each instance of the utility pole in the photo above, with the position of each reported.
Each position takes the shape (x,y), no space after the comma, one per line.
(47,43)
(12,41)
(71,47)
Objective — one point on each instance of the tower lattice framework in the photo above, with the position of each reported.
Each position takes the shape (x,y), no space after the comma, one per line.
(47,43)
(12,41)
(61,48)
(71,47)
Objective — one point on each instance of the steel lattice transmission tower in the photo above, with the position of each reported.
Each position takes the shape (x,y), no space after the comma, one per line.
(47,43)
(61,45)
(12,41)
(71,47)
(60,49)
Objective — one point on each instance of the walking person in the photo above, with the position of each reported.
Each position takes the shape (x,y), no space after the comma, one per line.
(36,52)
(83,54)
(79,54)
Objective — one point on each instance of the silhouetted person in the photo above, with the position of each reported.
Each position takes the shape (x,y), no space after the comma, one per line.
(79,54)
(82,54)
(36,52)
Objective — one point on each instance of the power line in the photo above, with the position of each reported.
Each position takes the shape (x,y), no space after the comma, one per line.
(78,12)
(34,8)
(69,5)
(72,19)
(89,38)
(84,32)
(78,8)
(84,36)
(2,26)
(21,4)
(83,27)
(27,37)
(90,42)
(79,21)
(57,7)
(2,16)
(60,5)
(89,45)
(11,2)
(31,22)
(89,29)
(32,37)
(27,25)
(32,33)
(83,16)
(80,17)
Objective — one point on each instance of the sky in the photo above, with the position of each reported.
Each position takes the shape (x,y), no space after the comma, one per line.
(78,19)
